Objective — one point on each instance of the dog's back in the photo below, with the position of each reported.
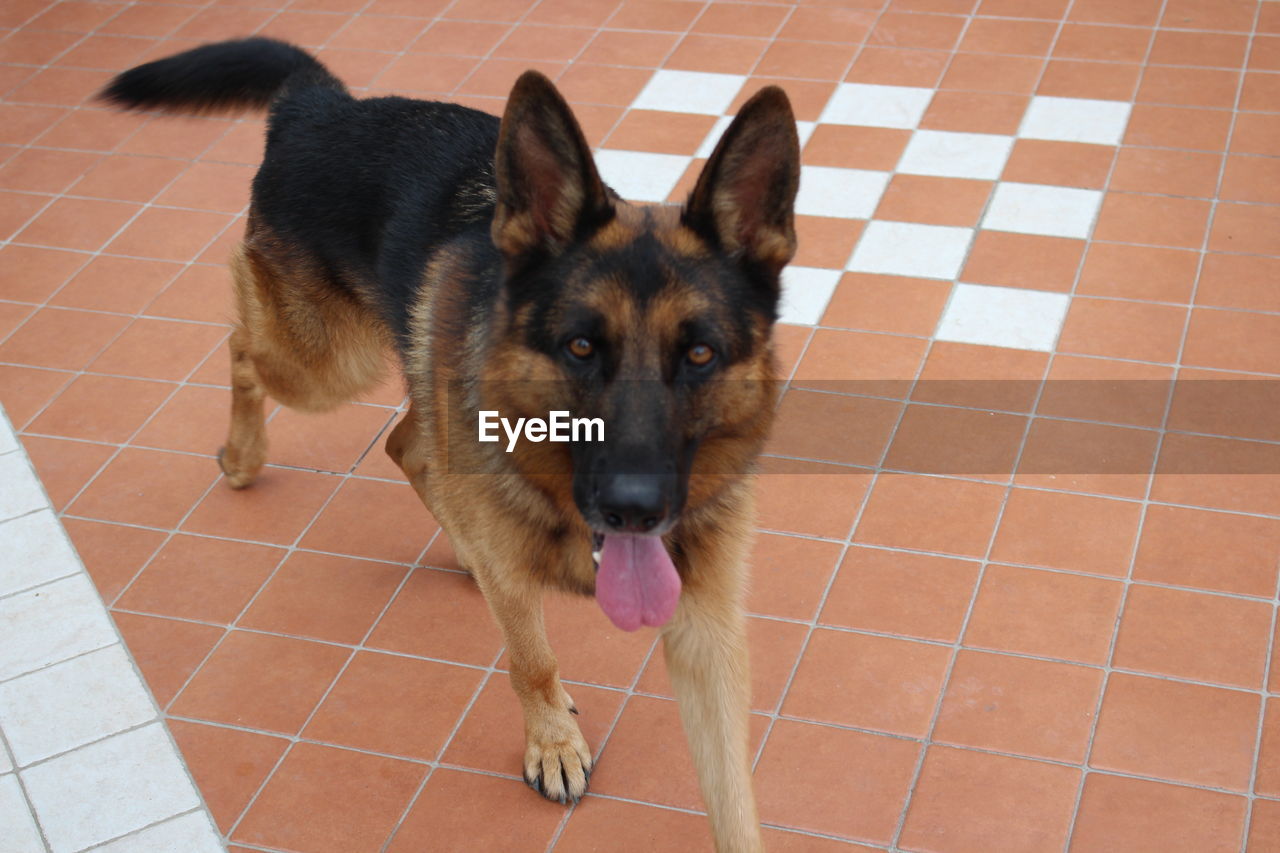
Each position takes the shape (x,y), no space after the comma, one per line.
(365,190)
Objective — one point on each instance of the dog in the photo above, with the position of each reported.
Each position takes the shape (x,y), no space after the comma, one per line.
(489,257)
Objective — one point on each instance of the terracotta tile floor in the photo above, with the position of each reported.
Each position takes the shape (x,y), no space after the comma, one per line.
(1017,590)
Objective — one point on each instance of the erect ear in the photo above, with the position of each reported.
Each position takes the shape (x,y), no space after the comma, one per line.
(745,196)
(548,188)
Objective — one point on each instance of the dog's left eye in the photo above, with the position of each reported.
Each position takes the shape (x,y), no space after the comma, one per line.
(580,347)
(700,355)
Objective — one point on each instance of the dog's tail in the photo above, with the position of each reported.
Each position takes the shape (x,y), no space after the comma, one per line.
(245,73)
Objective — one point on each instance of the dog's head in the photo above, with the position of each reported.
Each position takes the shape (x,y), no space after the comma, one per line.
(656,319)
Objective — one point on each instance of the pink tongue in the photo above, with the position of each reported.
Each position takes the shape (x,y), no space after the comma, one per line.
(637,583)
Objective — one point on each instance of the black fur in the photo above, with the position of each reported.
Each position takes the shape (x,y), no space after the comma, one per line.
(369,188)
(373,188)
(227,75)
(369,201)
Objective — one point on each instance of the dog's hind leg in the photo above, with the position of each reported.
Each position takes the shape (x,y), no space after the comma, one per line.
(245,452)
(300,339)
(242,457)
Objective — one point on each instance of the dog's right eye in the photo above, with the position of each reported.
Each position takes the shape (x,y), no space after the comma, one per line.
(580,348)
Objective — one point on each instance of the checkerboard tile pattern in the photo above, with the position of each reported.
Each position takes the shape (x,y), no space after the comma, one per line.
(893,239)
(1015,586)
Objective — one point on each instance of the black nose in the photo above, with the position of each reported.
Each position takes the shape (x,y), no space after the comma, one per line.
(633,503)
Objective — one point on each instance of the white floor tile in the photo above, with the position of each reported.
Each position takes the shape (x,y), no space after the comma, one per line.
(18,832)
(8,441)
(804,129)
(1003,317)
(1075,120)
(109,788)
(905,248)
(5,764)
(845,193)
(72,703)
(689,92)
(191,833)
(641,176)
(805,294)
(942,153)
(20,491)
(35,550)
(51,623)
(1042,209)
(876,106)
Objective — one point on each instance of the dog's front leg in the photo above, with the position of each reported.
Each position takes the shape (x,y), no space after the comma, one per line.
(557,760)
(706,654)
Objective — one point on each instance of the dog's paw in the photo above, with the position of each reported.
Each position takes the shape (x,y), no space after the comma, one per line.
(238,474)
(559,769)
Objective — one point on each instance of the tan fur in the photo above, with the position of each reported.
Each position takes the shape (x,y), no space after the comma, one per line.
(310,354)
(515,546)
(314,355)
(521,534)
(652,292)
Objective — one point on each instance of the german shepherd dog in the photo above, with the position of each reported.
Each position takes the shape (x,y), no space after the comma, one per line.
(491,258)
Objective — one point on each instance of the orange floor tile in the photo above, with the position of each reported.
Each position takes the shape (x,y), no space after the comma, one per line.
(1017,587)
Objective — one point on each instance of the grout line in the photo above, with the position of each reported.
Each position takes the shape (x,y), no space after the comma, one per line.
(1241,79)
(875,474)
(199,810)
(1137,535)
(232,221)
(958,644)
(836,628)
(203,806)
(1146,503)
(444,747)
(156,717)
(6,751)
(1268,706)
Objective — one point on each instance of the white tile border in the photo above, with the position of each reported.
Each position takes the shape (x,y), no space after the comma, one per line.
(67,705)
(110,788)
(36,552)
(20,832)
(192,832)
(85,760)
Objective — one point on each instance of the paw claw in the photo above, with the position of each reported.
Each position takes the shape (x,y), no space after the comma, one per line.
(559,769)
